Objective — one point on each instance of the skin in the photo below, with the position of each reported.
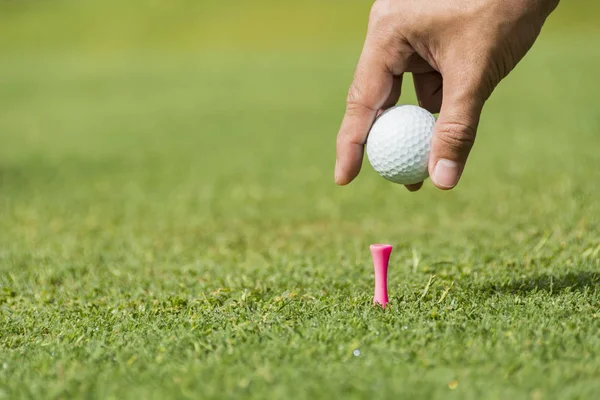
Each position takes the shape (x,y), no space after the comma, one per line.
(458,52)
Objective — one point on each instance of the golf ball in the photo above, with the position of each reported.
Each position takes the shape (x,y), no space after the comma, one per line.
(399,142)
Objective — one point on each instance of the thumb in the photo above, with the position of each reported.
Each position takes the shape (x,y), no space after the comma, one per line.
(454,134)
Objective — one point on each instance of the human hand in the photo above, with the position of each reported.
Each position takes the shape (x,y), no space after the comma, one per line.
(458,52)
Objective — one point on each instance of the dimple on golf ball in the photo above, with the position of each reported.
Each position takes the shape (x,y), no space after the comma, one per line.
(399,143)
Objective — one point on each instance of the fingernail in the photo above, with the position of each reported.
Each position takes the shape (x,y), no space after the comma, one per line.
(336,174)
(446,173)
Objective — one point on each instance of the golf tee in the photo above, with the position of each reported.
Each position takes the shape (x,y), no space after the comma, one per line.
(381,257)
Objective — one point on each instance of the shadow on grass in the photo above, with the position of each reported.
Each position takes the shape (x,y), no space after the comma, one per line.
(573,282)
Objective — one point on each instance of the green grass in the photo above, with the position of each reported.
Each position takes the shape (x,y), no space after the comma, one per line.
(169,227)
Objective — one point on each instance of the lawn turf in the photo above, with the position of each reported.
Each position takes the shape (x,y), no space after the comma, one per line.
(169,226)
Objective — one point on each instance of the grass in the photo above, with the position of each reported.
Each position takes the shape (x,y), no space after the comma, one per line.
(169,228)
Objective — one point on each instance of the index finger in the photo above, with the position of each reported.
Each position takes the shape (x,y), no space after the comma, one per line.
(370,91)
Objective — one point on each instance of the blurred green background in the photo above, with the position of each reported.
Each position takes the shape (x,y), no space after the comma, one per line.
(169,224)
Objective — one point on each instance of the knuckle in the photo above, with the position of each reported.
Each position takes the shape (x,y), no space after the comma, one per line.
(457,136)
(386,35)
(387,13)
(356,102)
(349,137)
(380,11)
(354,97)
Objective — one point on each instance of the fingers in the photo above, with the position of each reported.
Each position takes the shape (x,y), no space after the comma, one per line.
(371,88)
(392,99)
(428,87)
(377,83)
(414,188)
(455,131)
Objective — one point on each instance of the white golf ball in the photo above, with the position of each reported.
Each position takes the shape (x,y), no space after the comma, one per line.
(399,143)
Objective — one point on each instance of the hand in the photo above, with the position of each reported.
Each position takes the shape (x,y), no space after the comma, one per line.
(458,52)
